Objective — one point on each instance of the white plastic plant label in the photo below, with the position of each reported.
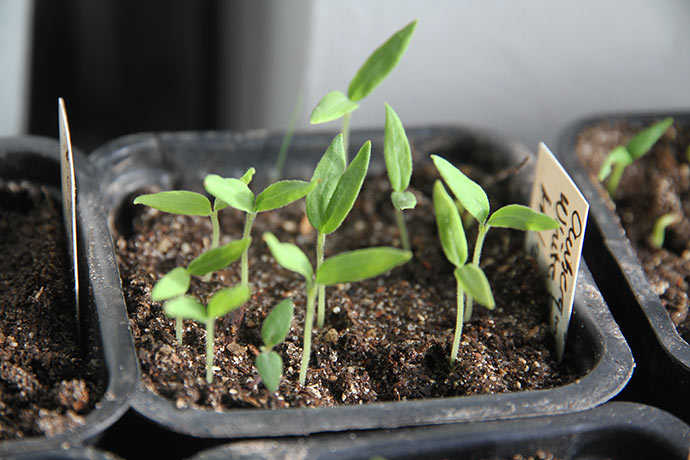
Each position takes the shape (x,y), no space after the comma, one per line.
(559,251)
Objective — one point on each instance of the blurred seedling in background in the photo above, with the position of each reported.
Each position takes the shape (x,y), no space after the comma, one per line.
(658,235)
(475,201)
(273,332)
(624,155)
(346,267)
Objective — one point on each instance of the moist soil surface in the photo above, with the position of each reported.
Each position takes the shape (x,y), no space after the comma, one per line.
(656,184)
(47,382)
(384,339)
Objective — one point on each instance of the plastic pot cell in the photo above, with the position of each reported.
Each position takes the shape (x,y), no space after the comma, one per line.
(662,375)
(168,161)
(104,335)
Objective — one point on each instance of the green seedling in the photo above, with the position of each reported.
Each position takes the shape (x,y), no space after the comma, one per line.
(222,303)
(658,235)
(273,332)
(347,267)
(474,200)
(469,278)
(396,150)
(332,199)
(380,63)
(620,157)
(236,193)
(287,138)
(176,282)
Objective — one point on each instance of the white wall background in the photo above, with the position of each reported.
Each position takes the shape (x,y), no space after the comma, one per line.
(524,69)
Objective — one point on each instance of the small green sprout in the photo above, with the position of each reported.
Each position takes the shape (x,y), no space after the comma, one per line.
(176,282)
(658,235)
(474,200)
(380,63)
(287,137)
(622,156)
(236,193)
(332,199)
(469,278)
(223,302)
(396,150)
(273,332)
(347,267)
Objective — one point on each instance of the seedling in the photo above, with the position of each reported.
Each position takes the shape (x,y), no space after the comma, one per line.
(469,278)
(622,156)
(236,193)
(658,235)
(380,63)
(222,303)
(474,200)
(347,267)
(287,137)
(176,282)
(332,199)
(273,332)
(396,150)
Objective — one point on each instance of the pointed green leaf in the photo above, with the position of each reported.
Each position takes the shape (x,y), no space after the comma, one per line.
(619,155)
(331,107)
(282,193)
(218,258)
(403,200)
(450,230)
(177,202)
(232,191)
(327,172)
(396,151)
(360,264)
(380,63)
(277,324)
(173,284)
(247,177)
(289,256)
(227,300)
(185,307)
(468,192)
(645,139)
(473,281)
(346,192)
(522,218)
(270,366)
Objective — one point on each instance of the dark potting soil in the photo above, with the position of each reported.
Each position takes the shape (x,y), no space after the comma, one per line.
(656,184)
(385,339)
(47,382)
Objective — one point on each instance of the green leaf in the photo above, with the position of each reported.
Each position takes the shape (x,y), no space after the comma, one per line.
(619,155)
(218,258)
(468,192)
(346,192)
(174,283)
(380,63)
(360,264)
(645,139)
(396,151)
(289,256)
(232,191)
(328,172)
(177,202)
(403,200)
(331,107)
(450,230)
(185,307)
(247,177)
(227,300)
(270,366)
(522,217)
(473,281)
(282,193)
(277,324)
(219,205)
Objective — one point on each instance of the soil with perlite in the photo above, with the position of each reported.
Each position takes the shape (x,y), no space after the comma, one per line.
(656,184)
(48,383)
(384,339)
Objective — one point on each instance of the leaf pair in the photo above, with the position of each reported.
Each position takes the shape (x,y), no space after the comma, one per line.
(223,302)
(274,330)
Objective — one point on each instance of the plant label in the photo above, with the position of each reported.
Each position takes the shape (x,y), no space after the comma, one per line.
(559,251)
